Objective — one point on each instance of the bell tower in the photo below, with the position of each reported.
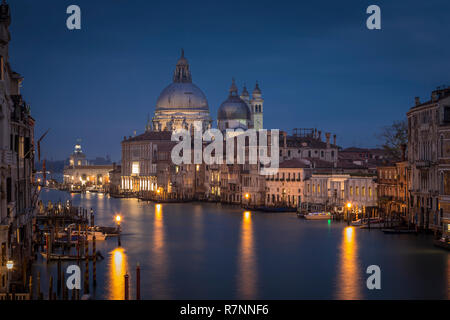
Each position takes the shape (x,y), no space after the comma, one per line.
(257,108)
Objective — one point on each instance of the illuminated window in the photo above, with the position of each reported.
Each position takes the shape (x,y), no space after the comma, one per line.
(135,168)
(370,192)
(363,191)
(357,191)
(351,191)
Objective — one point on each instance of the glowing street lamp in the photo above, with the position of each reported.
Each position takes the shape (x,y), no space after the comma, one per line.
(118,219)
(9,265)
(349,206)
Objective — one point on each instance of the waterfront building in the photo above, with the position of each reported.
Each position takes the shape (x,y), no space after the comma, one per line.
(18,192)
(330,191)
(428,157)
(81,174)
(115,177)
(286,188)
(144,157)
(392,188)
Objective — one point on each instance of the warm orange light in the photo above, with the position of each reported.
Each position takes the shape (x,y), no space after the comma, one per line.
(158,191)
(118,218)
(247,196)
(247,215)
(349,205)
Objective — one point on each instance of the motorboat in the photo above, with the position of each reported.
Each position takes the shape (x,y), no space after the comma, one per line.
(318,216)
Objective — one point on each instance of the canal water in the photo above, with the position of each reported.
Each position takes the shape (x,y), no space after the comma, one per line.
(214,251)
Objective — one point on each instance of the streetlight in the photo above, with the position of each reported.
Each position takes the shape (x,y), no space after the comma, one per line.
(9,266)
(349,206)
(118,219)
(247,197)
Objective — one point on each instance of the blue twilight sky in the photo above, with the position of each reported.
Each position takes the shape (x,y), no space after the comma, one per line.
(317,63)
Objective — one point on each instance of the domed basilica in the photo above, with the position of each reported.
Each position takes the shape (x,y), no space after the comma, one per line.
(182,103)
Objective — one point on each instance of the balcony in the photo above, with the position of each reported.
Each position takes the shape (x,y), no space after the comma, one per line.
(6,157)
(423,163)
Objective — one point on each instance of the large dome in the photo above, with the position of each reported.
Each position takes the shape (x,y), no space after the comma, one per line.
(182,95)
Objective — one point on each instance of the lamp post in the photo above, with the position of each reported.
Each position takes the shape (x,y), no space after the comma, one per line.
(9,266)
(349,206)
(247,197)
(118,220)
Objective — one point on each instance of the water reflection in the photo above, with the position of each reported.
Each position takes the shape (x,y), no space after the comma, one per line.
(117,270)
(247,273)
(348,278)
(159,256)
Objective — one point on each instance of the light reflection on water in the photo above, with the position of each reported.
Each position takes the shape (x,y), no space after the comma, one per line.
(210,250)
(247,271)
(349,280)
(117,271)
(159,262)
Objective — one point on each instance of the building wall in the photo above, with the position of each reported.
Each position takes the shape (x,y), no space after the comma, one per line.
(17,191)
(427,159)
(336,190)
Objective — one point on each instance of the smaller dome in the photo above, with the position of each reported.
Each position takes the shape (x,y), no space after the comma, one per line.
(234,108)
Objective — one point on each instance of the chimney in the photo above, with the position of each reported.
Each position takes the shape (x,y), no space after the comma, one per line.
(334,139)
(320,136)
(417,101)
(315,133)
(284,139)
(327,135)
(434,96)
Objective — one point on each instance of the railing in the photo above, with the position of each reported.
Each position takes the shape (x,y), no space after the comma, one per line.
(6,157)
(16,296)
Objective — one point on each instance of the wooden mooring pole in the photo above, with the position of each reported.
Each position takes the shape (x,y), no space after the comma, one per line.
(126,287)
(86,269)
(138,282)
(94,264)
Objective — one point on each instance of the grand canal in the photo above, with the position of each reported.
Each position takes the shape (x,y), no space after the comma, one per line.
(213,251)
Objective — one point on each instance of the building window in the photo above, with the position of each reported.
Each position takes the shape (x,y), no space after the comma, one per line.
(357,191)
(370,192)
(351,191)
(363,191)
(135,168)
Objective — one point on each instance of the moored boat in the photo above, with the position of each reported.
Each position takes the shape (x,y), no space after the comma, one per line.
(442,243)
(318,216)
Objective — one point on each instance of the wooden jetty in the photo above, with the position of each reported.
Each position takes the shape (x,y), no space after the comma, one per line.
(70,257)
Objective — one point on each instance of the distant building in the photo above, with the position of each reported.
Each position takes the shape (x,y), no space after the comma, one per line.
(79,174)
(308,143)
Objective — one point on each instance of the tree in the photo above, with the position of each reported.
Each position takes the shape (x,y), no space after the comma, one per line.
(394,137)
